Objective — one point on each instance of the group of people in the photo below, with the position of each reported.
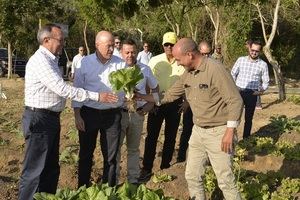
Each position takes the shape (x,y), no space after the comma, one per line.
(184,78)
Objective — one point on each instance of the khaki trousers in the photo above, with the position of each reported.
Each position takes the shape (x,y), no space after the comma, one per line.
(203,144)
(131,127)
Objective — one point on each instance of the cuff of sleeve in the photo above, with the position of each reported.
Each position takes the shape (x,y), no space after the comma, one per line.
(93,96)
(156,98)
(232,124)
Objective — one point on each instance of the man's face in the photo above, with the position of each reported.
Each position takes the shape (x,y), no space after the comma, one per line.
(204,50)
(168,48)
(117,44)
(254,51)
(146,47)
(182,59)
(81,51)
(128,53)
(105,47)
(218,50)
(55,42)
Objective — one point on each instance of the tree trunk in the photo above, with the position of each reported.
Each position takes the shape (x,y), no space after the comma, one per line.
(9,72)
(277,70)
(85,38)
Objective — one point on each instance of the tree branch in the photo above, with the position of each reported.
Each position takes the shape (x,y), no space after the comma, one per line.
(262,22)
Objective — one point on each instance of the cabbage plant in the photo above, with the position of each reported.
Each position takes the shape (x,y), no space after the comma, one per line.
(125,80)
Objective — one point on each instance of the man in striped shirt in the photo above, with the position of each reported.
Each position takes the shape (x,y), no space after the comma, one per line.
(251,76)
(45,98)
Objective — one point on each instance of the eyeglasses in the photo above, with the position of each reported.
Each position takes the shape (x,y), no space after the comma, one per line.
(117,42)
(81,50)
(59,40)
(205,54)
(146,46)
(168,44)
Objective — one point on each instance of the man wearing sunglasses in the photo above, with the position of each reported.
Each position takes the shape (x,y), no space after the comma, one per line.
(167,72)
(251,75)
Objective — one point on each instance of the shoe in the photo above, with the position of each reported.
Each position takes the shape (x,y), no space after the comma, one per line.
(165,166)
(145,176)
(258,108)
(179,160)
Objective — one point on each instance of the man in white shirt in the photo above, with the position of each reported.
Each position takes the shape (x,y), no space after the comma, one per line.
(92,117)
(117,48)
(76,60)
(145,55)
(132,123)
(45,98)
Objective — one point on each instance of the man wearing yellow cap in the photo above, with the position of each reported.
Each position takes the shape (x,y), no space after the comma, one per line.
(166,71)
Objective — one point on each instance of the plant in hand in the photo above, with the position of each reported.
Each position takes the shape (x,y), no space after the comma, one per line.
(125,80)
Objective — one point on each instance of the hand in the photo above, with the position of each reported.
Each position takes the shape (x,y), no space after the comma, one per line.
(146,108)
(258,93)
(146,97)
(227,140)
(184,106)
(107,97)
(79,122)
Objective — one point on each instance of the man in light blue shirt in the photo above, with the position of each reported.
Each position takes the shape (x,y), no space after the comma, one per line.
(92,117)
(251,76)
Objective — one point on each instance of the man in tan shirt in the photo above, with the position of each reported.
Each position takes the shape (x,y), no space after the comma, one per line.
(217,107)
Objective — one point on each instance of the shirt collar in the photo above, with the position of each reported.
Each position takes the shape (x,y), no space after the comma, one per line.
(201,67)
(47,52)
(253,61)
(172,61)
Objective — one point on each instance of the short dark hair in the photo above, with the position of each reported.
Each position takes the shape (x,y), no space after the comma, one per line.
(256,42)
(45,31)
(129,41)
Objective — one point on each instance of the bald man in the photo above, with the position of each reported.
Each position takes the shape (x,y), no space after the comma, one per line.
(204,48)
(92,117)
(217,107)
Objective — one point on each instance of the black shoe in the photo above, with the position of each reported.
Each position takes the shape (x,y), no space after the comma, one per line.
(179,160)
(145,176)
(165,166)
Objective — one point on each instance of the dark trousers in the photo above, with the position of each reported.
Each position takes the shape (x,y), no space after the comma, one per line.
(40,166)
(186,134)
(250,103)
(108,122)
(170,113)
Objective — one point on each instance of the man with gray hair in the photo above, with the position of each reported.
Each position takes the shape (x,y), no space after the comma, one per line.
(45,98)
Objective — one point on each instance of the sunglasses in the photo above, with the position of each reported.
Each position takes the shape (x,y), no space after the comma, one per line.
(168,44)
(205,54)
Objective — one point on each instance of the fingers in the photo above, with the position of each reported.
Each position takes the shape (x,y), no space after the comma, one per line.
(226,147)
(80,125)
(106,97)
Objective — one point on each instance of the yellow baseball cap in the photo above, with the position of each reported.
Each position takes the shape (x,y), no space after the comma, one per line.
(169,37)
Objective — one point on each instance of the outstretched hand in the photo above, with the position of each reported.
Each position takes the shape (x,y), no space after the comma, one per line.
(107,97)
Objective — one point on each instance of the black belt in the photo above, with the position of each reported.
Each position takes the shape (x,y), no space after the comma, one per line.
(101,111)
(208,127)
(42,110)
(246,90)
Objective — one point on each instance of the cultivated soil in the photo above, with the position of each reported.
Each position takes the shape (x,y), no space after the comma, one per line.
(12,147)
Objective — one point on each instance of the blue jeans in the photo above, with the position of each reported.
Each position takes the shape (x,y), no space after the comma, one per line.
(40,166)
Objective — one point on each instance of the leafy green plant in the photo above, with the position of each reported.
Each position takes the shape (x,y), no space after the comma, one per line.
(288,190)
(295,99)
(125,80)
(283,124)
(158,178)
(69,155)
(210,181)
(126,191)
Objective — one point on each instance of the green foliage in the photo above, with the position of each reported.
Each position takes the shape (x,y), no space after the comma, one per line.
(69,155)
(3,142)
(103,192)
(126,79)
(283,124)
(288,190)
(158,178)
(295,99)
(210,181)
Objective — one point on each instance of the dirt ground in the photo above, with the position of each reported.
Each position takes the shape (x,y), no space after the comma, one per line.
(12,151)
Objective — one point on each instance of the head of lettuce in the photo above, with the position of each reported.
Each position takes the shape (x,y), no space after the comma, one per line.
(125,80)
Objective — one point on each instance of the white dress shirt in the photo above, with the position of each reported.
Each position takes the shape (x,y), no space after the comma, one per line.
(44,85)
(148,79)
(144,57)
(117,53)
(93,75)
(75,62)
